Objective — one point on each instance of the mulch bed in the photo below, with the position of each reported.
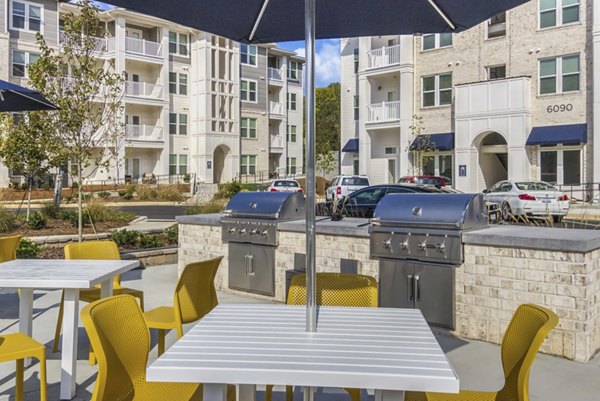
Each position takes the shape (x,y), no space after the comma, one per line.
(63,227)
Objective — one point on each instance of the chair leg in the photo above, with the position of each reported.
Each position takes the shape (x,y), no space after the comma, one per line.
(161,342)
(269,392)
(58,324)
(91,356)
(354,393)
(141,298)
(43,381)
(289,393)
(19,380)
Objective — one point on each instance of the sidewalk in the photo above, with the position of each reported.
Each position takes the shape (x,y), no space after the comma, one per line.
(476,363)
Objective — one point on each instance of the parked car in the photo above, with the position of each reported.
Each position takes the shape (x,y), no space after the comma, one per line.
(528,198)
(344,185)
(285,186)
(362,203)
(424,180)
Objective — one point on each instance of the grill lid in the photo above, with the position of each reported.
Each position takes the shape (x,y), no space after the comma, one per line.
(266,205)
(456,211)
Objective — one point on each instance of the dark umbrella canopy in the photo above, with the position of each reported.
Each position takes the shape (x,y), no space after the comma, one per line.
(283,20)
(15,98)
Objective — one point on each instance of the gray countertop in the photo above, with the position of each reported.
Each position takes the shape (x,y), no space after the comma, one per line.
(543,238)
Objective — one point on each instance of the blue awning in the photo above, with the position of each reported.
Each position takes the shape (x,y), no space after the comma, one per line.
(573,134)
(443,141)
(351,146)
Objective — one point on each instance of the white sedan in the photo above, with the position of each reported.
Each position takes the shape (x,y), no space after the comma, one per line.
(528,198)
(285,186)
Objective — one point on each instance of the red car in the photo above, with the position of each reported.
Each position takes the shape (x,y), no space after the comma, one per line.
(423,180)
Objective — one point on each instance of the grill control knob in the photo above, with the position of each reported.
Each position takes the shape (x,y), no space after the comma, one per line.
(254,231)
(232,231)
(387,244)
(264,233)
(404,245)
(422,246)
(440,248)
(242,231)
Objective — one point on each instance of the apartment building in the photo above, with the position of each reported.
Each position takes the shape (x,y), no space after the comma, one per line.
(510,98)
(271,112)
(183,93)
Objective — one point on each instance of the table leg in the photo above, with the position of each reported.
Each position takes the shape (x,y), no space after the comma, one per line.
(389,395)
(26,314)
(106,288)
(68,361)
(246,392)
(214,392)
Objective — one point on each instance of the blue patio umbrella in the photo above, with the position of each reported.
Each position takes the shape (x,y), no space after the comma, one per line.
(265,21)
(15,98)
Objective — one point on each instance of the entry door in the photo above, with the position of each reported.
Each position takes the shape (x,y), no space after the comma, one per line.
(136,168)
(135,78)
(391,170)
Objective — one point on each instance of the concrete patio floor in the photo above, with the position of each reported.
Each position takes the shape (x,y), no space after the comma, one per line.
(477,364)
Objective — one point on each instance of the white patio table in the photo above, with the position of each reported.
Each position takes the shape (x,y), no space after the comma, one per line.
(387,349)
(70,275)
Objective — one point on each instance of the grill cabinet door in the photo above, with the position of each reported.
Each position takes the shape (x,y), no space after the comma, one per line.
(252,268)
(395,284)
(434,293)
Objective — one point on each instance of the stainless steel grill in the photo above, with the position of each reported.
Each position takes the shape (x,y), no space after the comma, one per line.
(418,241)
(249,225)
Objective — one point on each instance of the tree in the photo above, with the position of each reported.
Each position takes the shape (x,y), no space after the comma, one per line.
(27,146)
(420,145)
(88,92)
(327,121)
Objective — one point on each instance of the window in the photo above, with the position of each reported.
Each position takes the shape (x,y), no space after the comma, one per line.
(248,91)
(183,164)
(291,101)
(291,165)
(436,40)
(183,84)
(21,61)
(173,82)
(496,26)
(172,164)
(179,44)
(559,74)
(292,72)
(356,109)
(291,134)
(26,16)
(355,166)
(391,150)
(248,54)
(558,12)
(177,164)
(248,127)
(437,90)
(355,61)
(569,159)
(178,81)
(178,124)
(496,72)
(248,166)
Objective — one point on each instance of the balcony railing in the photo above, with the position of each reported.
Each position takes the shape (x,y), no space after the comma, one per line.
(276,108)
(275,74)
(143,90)
(384,111)
(143,46)
(144,132)
(100,44)
(277,141)
(383,57)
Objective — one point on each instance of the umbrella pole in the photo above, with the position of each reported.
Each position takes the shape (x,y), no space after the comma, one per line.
(309,80)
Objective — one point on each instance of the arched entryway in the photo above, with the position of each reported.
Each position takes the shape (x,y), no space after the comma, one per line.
(221,169)
(493,158)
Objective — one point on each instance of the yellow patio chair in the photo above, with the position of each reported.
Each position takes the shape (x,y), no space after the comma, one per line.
(8,248)
(118,333)
(333,289)
(93,250)
(17,347)
(525,334)
(195,296)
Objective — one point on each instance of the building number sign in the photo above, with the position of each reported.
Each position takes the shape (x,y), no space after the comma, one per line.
(559,108)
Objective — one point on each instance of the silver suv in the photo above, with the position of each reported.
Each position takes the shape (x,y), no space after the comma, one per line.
(344,185)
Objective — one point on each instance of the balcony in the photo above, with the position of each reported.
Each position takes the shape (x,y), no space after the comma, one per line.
(101,45)
(144,133)
(276,143)
(143,90)
(275,74)
(383,112)
(276,109)
(143,47)
(383,57)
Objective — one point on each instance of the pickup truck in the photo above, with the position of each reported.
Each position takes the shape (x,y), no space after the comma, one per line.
(344,185)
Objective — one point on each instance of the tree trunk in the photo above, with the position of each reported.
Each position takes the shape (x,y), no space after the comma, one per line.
(79,202)
(28,198)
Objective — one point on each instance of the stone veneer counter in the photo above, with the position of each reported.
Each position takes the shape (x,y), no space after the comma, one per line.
(504,267)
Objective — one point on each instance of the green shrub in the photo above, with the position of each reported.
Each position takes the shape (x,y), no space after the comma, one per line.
(229,189)
(37,221)
(146,192)
(172,235)
(8,220)
(50,210)
(28,249)
(148,241)
(103,194)
(187,178)
(214,206)
(97,212)
(73,218)
(128,192)
(169,193)
(124,237)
